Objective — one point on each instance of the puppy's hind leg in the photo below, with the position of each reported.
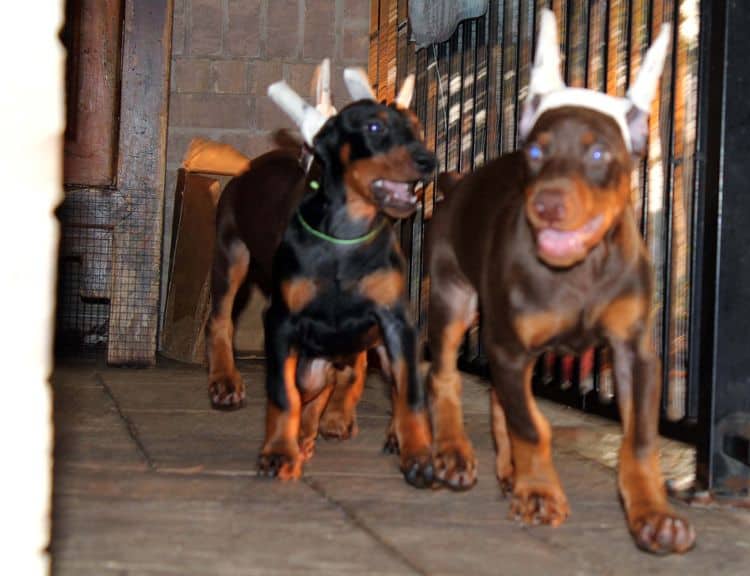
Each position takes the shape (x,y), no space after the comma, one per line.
(228,276)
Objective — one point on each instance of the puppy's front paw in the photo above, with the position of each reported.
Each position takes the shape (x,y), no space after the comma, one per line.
(335,425)
(226,391)
(539,504)
(662,532)
(456,465)
(281,466)
(418,469)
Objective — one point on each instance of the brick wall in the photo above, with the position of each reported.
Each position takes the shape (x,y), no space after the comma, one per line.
(226,52)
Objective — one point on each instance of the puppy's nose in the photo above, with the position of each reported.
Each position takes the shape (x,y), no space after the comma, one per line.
(549,205)
(424,160)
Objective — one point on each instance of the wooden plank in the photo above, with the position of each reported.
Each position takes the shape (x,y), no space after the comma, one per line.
(92,34)
(137,235)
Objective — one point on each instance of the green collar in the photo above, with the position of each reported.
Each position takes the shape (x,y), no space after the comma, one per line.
(341,241)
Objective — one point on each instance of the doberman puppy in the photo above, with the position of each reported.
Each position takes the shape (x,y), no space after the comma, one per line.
(252,214)
(545,243)
(336,281)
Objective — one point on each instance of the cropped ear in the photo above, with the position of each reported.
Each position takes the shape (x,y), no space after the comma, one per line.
(406,93)
(545,74)
(643,90)
(358,84)
(322,92)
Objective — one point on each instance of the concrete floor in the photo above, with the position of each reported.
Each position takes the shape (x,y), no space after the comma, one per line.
(150,481)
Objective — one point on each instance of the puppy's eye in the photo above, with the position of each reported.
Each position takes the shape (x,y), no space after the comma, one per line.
(535,152)
(598,154)
(375,127)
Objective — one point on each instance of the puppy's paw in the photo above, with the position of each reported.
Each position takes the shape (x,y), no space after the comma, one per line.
(539,504)
(391,444)
(338,425)
(281,466)
(456,465)
(662,532)
(226,391)
(418,469)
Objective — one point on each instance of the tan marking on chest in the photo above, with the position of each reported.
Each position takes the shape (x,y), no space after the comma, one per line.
(384,287)
(298,293)
(536,328)
(624,314)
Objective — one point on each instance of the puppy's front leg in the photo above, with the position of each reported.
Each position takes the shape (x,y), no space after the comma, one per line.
(538,497)
(410,423)
(653,523)
(280,456)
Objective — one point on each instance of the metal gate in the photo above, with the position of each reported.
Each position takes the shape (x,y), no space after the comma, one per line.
(469,91)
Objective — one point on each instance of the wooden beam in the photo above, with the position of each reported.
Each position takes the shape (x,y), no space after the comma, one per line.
(146,55)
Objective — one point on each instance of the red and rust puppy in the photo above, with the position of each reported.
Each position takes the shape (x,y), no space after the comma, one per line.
(336,282)
(545,243)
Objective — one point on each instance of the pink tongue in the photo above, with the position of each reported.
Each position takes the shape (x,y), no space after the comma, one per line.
(401,190)
(560,242)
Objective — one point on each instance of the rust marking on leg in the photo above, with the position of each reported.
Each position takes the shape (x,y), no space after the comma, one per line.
(538,496)
(412,430)
(455,463)
(503,455)
(310,418)
(339,419)
(226,388)
(280,455)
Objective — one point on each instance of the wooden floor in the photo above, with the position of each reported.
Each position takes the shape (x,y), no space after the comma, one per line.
(149,480)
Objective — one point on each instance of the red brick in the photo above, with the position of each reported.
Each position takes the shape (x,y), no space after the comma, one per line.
(190,75)
(229,76)
(355,45)
(320,29)
(178,141)
(251,144)
(268,116)
(178,28)
(282,29)
(209,111)
(299,77)
(205,27)
(264,73)
(243,28)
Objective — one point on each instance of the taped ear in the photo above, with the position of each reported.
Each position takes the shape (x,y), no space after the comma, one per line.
(322,93)
(308,119)
(358,84)
(545,73)
(643,89)
(406,93)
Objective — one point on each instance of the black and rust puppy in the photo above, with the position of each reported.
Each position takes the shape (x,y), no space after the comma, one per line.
(337,283)
(545,243)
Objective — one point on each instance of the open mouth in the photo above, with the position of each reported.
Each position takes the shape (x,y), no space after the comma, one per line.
(565,244)
(392,194)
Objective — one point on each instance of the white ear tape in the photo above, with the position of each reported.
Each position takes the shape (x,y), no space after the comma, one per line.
(308,119)
(545,74)
(358,84)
